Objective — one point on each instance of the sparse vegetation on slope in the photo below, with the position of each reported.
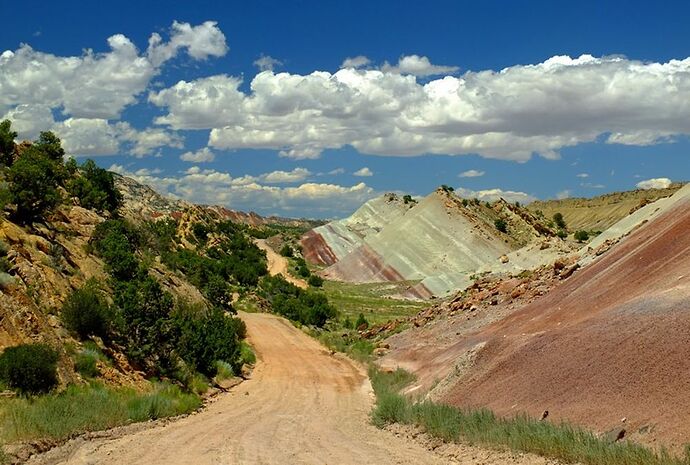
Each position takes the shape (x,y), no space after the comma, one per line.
(564,442)
(88,408)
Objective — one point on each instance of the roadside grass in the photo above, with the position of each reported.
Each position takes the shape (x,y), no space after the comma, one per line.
(375,300)
(347,342)
(82,408)
(564,442)
(247,355)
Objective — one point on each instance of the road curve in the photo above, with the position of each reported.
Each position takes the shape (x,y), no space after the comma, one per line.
(277,264)
(301,406)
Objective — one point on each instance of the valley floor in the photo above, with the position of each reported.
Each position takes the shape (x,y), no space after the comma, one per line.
(302,405)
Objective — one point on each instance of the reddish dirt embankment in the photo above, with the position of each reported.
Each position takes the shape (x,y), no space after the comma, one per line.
(611,342)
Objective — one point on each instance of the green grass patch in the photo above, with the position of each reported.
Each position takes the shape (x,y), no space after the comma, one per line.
(85,408)
(247,355)
(198,384)
(376,301)
(86,360)
(347,342)
(223,371)
(564,442)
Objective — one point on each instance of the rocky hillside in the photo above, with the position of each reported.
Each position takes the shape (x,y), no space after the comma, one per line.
(599,213)
(598,339)
(439,242)
(44,262)
(327,244)
(142,203)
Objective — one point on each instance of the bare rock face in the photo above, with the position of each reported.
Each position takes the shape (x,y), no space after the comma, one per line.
(440,241)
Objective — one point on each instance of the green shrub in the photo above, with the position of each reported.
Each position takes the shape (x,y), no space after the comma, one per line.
(29,368)
(207,336)
(7,136)
(316,281)
(200,231)
(6,280)
(95,188)
(286,251)
(34,179)
(581,236)
(218,292)
(86,313)
(408,199)
(562,233)
(361,322)
(148,329)
(559,221)
(198,384)
(501,225)
(305,306)
(114,241)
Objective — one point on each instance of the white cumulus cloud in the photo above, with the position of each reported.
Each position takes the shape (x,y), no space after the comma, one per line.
(267,63)
(247,193)
(490,195)
(655,183)
(355,62)
(98,85)
(363,172)
(511,114)
(471,174)
(418,66)
(280,177)
(200,156)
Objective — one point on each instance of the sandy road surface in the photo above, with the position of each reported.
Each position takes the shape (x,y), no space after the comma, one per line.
(277,264)
(303,406)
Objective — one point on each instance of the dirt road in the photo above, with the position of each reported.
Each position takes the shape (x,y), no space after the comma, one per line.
(277,264)
(301,406)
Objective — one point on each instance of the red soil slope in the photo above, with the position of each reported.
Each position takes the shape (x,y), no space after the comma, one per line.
(611,342)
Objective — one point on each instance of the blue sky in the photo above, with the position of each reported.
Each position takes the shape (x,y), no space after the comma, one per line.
(515,99)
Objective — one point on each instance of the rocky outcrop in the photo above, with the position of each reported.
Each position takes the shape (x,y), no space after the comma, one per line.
(439,242)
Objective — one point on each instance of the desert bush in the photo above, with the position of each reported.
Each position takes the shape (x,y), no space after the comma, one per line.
(581,236)
(114,241)
(95,188)
(33,183)
(218,293)
(559,221)
(6,280)
(286,251)
(205,337)
(148,329)
(7,136)
(562,233)
(29,368)
(86,313)
(361,322)
(305,306)
(315,281)
(501,225)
